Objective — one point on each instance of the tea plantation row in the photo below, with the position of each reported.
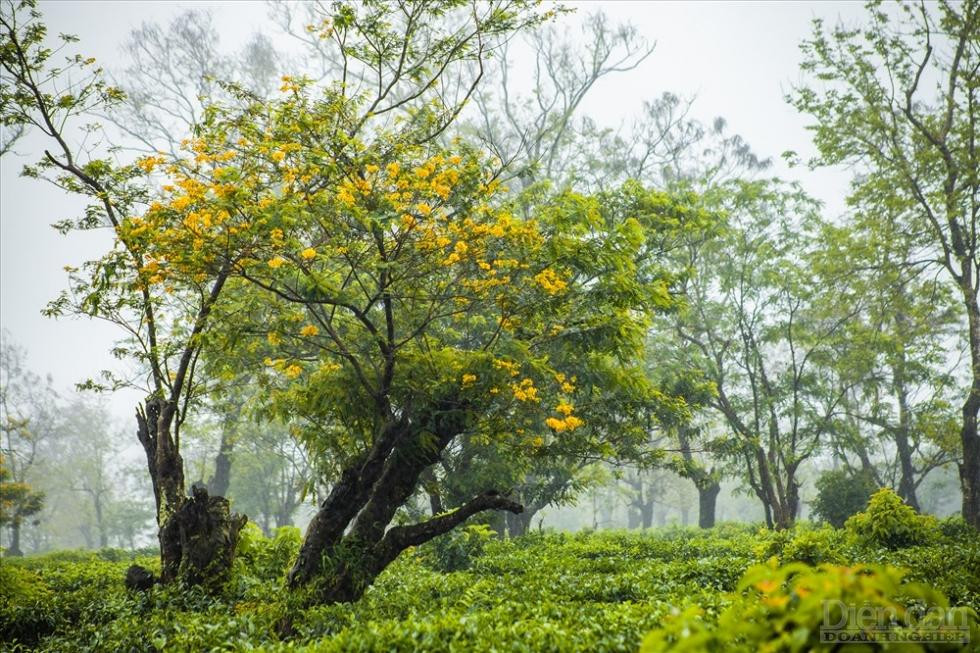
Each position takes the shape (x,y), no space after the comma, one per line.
(679,588)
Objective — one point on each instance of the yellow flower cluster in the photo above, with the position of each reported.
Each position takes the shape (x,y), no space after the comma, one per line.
(567,385)
(509,367)
(459,252)
(309,330)
(570,423)
(148,163)
(469,379)
(550,281)
(525,390)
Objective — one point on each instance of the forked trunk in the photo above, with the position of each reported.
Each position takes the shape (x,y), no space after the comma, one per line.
(369,493)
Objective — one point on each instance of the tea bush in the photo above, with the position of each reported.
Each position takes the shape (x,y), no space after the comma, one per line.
(782,608)
(890,522)
(546,591)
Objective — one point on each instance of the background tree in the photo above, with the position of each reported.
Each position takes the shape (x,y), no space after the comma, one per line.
(898,97)
(896,351)
(750,329)
(28,423)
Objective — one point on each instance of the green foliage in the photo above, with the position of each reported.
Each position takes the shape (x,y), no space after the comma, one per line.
(558,592)
(803,543)
(457,549)
(890,523)
(840,494)
(782,608)
(259,558)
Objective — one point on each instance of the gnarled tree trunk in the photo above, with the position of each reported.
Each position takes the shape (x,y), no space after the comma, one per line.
(198,535)
(350,530)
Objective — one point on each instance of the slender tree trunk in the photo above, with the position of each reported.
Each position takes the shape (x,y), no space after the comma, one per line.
(100,522)
(707,485)
(906,480)
(14,550)
(707,500)
(970,467)
(431,485)
(219,482)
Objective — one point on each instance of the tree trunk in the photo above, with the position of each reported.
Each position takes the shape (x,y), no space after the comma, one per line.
(969,438)
(100,522)
(14,550)
(646,514)
(200,539)
(221,479)
(198,535)
(707,500)
(431,486)
(906,481)
(519,523)
(356,572)
(369,493)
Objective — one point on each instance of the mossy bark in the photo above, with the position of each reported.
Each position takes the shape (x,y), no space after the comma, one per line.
(198,535)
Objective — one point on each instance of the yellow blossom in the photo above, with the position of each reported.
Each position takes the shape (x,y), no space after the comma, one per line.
(273,338)
(148,163)
(309,330)
(276,262)
(468,379)
(550,281)
(293,371)
(564,408)
(308,253)
(525,391)
(423,209)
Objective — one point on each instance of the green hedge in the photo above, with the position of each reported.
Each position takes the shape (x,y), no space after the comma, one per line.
(558,592)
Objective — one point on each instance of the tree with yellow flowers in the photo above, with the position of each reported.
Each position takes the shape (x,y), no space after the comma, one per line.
(399,307)
(179,252)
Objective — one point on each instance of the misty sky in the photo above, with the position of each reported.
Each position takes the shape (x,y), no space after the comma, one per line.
(737,58)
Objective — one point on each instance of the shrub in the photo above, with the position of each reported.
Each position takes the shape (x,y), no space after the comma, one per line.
(813,546)
(266,558)
(956,528)
(890,523)
(782,608)
(840,494)
(457,549)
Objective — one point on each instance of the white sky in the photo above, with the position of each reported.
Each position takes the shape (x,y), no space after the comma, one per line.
(737,58)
